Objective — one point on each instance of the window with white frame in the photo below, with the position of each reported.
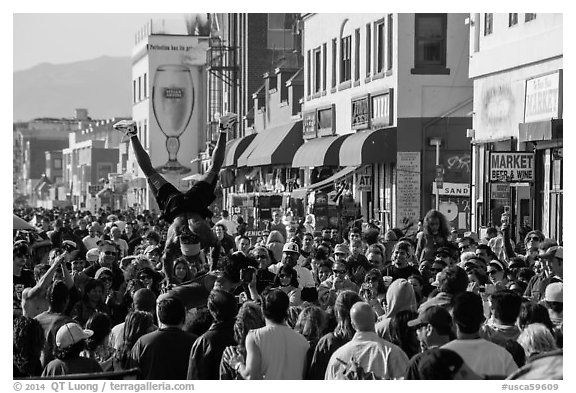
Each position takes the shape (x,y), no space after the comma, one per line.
(380,44)
(512,19)
(529,17)
(334,62)
(346,58)
(368,48)
(317,70)
(324,66)
(357,55)
(389,43)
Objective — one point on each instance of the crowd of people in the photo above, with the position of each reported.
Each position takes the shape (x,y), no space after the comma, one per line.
(187,296)
(117,291)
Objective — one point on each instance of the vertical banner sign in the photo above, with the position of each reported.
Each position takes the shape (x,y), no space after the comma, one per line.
(407,188)
(511,167)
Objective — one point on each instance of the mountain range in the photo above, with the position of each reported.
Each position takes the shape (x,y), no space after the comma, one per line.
(102,86)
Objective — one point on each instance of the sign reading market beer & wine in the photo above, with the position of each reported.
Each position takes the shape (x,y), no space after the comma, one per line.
(511,167)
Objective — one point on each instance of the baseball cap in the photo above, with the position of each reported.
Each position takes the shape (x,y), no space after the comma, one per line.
(436,316)
(70,334)
(443,250)
(92,254)
(291,247)
(553,252)
(341,249)
(439,363)
(101,271)
(554,292)
(497,264)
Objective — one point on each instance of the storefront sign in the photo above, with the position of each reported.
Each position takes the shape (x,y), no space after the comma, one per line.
(407,188)
(326,121)
(542,98)
(500,191)
(382,109)
(453,189)
(361,113)
(364,182)
(511,167)
(309,125)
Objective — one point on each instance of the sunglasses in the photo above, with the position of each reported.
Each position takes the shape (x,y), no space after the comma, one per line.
(106,279)
(339,271)
(109,253)
(491,272)
(283,276)
(260,256)
(533,238)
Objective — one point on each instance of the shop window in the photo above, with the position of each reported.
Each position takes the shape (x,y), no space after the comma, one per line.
(430,44)
(512,19)
(346,59)
(488,23)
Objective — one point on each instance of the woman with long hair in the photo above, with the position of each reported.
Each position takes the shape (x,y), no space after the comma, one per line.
(97,346)
(91,303)
(373,291)
(27,343)
(435,234)
(182,271)
(311,323)
(330,342)
(249,317)
(403,335)
(287,280)
(138,323)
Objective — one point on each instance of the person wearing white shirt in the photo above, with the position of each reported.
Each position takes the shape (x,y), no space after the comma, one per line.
(290,255)
(228,223)
(484,357)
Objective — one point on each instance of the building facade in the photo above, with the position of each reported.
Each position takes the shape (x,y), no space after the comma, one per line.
(516,64)
(169,104)
(92,157)
(386,108)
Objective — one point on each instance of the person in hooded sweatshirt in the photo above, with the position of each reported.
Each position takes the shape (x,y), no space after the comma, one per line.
(399,297)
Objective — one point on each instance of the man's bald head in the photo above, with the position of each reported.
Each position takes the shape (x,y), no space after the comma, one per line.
(363,317)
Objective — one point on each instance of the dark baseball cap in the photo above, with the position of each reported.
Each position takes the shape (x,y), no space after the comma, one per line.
(436,316)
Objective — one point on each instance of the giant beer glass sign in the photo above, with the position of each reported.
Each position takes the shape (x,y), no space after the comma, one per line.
(173,104)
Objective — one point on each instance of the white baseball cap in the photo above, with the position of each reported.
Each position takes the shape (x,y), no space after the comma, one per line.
(291,247)
(70,334)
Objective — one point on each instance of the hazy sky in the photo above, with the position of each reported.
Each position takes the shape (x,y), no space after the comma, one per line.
(64,38)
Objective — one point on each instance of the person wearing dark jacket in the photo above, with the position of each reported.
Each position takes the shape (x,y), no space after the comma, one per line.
(168,342)
(206,353)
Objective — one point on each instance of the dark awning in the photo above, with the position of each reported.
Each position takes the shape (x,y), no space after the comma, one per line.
(274,146)
(324,151)
(540,131)
(235,148)
(369,147)
(329,180)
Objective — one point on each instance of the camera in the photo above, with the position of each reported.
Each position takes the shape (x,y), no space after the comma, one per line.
(247,274)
